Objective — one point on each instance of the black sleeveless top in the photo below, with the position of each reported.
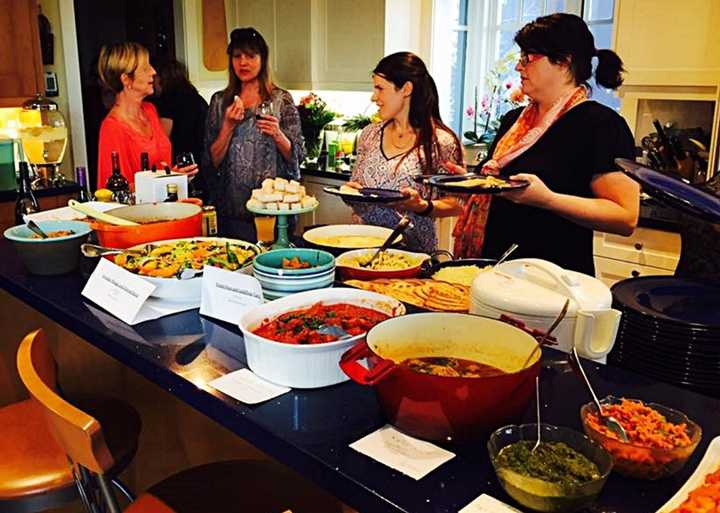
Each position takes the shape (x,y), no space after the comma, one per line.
(582,143)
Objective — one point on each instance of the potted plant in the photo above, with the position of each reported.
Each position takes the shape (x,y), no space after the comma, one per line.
(502,95)
(314,115)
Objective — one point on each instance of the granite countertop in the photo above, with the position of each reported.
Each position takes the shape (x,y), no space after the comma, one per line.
(68,188)
(309,430)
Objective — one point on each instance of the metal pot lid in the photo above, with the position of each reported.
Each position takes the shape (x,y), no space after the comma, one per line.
(517,287)
(39,102)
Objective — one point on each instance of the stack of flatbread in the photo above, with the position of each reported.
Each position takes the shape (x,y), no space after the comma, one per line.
(439,296)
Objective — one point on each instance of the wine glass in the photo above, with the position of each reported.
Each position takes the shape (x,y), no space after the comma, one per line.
(184,159)
(264,109)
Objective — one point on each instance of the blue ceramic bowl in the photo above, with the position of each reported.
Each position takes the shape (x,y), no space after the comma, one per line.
(271,262)
(56,255)
(283,284)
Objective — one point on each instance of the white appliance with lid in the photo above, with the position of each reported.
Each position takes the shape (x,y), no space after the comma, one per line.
(534,291)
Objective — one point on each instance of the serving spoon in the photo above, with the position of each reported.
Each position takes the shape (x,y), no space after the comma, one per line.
(545,338)
(507,254)
(537,409)
(95,250)
(399,228)
(100,216)
(33,226)
(609,421)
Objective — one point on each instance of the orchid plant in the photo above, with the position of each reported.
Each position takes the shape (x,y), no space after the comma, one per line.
(502,93)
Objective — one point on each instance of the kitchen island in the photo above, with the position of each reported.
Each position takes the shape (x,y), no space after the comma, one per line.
(309,430)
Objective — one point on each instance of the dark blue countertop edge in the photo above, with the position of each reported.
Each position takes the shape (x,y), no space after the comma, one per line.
(208,405)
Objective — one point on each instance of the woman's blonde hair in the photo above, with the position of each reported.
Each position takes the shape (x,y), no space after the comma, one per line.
(117,59)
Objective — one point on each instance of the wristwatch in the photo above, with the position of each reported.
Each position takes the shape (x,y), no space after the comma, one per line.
(427,210)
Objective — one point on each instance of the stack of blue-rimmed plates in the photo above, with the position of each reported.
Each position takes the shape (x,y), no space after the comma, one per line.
(670,331)
(279,280)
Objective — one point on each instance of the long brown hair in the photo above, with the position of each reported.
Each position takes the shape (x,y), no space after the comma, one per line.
(248,41)
(402,67)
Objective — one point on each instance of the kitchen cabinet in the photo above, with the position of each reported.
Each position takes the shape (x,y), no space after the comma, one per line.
(646,252)
(319,44)
(669,43)
(21,72)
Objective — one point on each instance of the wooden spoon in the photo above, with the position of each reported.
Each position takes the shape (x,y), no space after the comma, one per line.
(100,216)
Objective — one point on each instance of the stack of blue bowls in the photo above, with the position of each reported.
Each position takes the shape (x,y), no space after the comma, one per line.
(278,281)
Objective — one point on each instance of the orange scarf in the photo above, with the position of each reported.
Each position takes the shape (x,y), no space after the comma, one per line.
(469,232)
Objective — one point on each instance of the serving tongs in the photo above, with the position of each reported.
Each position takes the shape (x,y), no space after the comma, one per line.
(100,216)
(32,225)
(610,422)
(399,228)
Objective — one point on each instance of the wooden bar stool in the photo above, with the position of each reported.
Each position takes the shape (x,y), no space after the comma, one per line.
(247,486)
(34,470)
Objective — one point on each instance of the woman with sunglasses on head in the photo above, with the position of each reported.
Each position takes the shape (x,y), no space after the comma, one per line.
(565,146)
(410,140)
(240,149)
(132,126)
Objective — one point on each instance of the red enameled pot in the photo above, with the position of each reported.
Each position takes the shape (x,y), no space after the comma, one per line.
(439,408)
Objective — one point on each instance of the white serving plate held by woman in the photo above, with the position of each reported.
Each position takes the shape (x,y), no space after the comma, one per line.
(191,288)
(307,365)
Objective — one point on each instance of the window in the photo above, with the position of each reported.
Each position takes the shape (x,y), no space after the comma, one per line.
(449,52)
(467,52)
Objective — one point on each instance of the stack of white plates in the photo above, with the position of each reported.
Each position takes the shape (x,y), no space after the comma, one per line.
(278,281)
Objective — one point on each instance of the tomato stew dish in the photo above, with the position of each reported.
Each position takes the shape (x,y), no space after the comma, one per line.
(301,326)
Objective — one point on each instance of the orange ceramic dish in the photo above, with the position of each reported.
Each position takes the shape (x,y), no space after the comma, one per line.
(660,439)
(704,498)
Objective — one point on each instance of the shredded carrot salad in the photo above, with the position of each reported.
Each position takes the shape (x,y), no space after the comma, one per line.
(644,426)
(703,499)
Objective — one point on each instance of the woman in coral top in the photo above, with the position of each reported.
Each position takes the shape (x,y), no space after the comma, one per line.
(132,126)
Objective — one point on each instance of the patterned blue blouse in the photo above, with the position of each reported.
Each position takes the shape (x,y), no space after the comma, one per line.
(251,156)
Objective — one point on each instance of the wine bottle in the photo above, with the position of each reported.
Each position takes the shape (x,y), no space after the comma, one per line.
(144,161)
(26,202)
(117,183)
(172,192)
(81,178)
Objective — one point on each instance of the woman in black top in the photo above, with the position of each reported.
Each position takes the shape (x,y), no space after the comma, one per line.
(565,146)
(182,113)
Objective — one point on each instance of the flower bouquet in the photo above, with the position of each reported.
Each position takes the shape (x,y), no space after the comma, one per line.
(314,115)
(502,95)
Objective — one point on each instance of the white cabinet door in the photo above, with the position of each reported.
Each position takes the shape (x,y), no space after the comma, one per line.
(611,271)
(331,209)
(349,42)
(647,247)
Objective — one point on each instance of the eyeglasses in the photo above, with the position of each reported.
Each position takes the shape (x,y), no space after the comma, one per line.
(527,58)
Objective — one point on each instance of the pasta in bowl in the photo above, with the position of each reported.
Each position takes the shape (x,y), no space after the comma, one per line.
(391,263)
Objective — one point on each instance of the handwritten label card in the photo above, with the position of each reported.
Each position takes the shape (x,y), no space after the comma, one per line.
(227,294)
(487,504)
(118,291)
(412,457)
(247,387)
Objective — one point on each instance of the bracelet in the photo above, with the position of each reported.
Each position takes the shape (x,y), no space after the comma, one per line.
(427,210)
